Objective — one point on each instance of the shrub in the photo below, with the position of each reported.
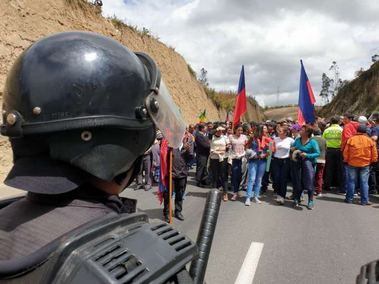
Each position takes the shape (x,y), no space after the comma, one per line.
(117,22)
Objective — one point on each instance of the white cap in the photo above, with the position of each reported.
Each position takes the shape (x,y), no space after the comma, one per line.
(362,119)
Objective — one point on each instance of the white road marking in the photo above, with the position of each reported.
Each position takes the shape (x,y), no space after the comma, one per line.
(249,266)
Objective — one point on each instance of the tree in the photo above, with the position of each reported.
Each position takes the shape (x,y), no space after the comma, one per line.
(359,72)
(336,81)
(325,89)
(203,77)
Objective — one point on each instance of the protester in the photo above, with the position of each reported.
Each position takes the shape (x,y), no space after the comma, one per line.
(259,143)
(191,134)
(360,152)
(349,130)
(295,130)
(374,174)
(156,157)
(209,127)
(180,159)
(307,154)
(281,163)
(245,171)
(218,163)
(333,165)
(228,156)
(322,126)
(271,130)
(144,175)
(238,142)
(272,133)
(202,153)
(320,161)
(244,167)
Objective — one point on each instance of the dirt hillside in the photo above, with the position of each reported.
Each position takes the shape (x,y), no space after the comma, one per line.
(22,22)
(279,114)
(359,97)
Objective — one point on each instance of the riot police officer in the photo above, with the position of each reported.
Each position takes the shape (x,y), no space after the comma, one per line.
(80,109)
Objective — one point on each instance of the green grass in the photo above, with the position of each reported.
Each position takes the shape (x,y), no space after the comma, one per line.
(119,24)
(226,99)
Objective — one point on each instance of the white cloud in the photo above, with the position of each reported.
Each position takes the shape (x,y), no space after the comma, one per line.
(269,38)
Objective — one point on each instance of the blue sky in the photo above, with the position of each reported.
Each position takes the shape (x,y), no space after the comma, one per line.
(268,37)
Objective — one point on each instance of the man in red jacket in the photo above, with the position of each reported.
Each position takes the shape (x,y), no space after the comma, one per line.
(349,130)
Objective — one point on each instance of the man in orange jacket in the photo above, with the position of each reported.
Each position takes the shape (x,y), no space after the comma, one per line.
(359,153)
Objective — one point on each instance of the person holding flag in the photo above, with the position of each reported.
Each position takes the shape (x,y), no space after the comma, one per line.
(179,172)
(306,147)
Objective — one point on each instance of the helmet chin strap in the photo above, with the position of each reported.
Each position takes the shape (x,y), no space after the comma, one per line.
(119,179)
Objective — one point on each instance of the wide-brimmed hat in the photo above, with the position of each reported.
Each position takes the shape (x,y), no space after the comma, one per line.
(295,155)
(44,175)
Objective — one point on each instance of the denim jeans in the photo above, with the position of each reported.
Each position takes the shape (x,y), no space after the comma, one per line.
(257,169)
(345,177)
(237,174)
(353,174)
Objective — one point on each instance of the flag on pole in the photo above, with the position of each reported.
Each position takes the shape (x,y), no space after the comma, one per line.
(240,109)
(162,177)
(306,110)
(203,116)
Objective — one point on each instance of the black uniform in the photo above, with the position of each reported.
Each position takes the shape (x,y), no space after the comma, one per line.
(37,219)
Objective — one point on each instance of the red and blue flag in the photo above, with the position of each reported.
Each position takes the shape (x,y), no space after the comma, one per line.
(306,110)
(241,108)
(162,178)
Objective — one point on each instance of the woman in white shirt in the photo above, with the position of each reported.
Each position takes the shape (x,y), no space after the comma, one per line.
(281,163)
(219,144)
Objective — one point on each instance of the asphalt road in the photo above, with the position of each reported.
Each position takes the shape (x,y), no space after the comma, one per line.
(326,245)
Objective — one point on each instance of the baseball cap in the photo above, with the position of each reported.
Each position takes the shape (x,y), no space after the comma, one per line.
(296,127)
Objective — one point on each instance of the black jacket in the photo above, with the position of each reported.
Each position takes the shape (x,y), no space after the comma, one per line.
(203,146)
(180,160)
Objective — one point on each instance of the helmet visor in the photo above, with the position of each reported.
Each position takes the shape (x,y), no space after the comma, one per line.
(166,115)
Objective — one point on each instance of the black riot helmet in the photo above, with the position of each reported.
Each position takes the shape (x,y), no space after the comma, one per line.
(87,100)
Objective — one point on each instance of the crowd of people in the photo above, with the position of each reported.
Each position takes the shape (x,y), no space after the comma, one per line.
(339,153)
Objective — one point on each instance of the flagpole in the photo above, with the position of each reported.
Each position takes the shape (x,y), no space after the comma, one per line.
(170,186)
